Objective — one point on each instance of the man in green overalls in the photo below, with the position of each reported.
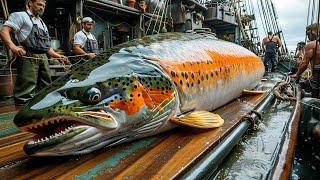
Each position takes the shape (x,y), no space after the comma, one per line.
(34,46)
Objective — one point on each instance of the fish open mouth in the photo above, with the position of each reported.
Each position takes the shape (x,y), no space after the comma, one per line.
(56,130)
(52,131)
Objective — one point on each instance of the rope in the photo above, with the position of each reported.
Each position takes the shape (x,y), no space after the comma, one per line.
(164,11)
(260,14)
(283,87)
(35,58)
(317,37)
(158,14)
(154,11)
(308,18)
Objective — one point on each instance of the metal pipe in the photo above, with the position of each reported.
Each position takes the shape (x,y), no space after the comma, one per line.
(117,6)
(114,5)
(211,161)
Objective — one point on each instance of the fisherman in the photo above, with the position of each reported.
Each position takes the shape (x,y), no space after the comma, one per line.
(270,46)
(299,54)
(84,41)
(312,56)
(33,46)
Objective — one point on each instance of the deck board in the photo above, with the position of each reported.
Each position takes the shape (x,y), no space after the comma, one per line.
(162,156)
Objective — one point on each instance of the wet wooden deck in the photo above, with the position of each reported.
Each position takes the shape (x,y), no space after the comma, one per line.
(163,156)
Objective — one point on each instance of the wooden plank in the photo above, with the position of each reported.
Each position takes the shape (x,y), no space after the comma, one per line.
(15,138)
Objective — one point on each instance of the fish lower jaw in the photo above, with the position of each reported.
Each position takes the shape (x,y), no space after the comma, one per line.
(36,139)
(37,144)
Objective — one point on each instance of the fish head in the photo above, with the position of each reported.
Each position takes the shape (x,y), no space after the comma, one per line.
(72,116)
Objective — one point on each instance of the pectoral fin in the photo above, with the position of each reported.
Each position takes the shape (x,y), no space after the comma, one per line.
(199,119)
(252,92)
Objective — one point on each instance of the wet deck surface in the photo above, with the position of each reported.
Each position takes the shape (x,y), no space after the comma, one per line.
(254,156)
(163,156)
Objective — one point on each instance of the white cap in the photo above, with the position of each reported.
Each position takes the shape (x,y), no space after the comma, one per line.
(87,19)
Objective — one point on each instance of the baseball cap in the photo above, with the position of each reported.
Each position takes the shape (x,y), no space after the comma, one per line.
(87,19)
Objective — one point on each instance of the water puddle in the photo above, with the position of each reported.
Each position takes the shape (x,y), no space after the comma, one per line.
(252,158)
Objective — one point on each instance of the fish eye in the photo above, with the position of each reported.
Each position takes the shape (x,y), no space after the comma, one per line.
(92,95)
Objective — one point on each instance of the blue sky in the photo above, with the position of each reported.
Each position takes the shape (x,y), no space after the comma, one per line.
(292,16)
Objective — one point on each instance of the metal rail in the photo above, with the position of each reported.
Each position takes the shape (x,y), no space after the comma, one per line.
(211,161)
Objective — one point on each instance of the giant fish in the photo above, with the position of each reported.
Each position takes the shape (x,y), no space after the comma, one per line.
(138,89)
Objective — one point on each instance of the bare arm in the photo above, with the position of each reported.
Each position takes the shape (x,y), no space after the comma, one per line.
(5,36)
(307,58)
(79,51)
(60,57)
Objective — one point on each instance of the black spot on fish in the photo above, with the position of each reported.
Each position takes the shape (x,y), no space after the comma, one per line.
(162,88)
(211,74)
(174,74)
(202,78)
(207,76)
(188,84)
(186,76)
(181,82)
(111,100)
(115,97)
(182,74)
(217,73)
(123,89)
(198,81)
(131,95)
(123,83)
(135,86)
(109,83)
(139,95)
(116,85)
(192,84)
(175,83)
(192,75)
(130,99)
